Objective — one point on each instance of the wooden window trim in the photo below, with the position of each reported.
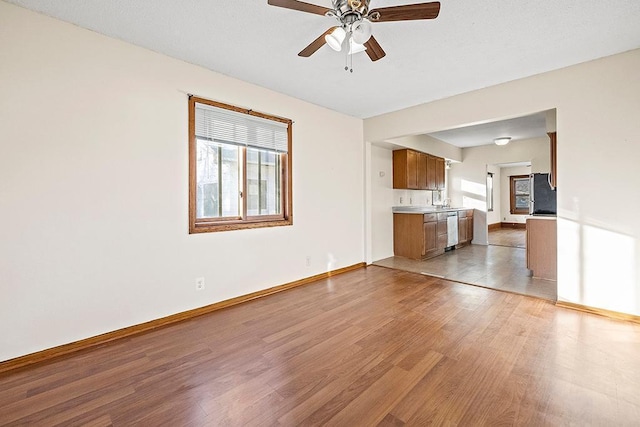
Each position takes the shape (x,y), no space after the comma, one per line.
(207,225)
(512,182)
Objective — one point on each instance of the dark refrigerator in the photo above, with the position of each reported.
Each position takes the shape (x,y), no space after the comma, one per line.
(542,196)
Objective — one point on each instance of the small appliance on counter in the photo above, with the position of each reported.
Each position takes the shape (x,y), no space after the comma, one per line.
(542,198)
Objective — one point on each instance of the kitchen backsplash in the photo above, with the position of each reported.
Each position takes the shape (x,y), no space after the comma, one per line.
(412,197)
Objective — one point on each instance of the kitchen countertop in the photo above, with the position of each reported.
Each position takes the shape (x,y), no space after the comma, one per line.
(424,209)
(547,217)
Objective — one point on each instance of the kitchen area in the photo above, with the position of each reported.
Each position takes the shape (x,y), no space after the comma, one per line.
(441,223)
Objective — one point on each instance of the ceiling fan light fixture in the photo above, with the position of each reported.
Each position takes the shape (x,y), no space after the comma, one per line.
(335,39)
(361,31)
(356,47)
(502,140)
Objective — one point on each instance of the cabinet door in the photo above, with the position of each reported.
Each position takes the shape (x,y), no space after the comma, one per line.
(462,228)
(442,234)
(422,171)
(440,173)
(412,170)
(469,226)
(430,238)
(405,169)
(431,173)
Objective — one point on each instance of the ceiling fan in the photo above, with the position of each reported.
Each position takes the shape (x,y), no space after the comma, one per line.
(353,34)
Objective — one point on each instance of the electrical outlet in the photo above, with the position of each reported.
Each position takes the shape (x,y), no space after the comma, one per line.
(410,200)
(199,283)
(400,199)
(308,261)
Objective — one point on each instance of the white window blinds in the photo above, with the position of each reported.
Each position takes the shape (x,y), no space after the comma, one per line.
(231,127)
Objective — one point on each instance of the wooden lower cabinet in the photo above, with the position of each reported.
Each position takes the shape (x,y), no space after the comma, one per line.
(462,230)
(542,251)
(422,236)
(465,227)
(415,236)
(430,239)
(442,231)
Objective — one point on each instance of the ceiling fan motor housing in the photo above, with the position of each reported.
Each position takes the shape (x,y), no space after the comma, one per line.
(351,8)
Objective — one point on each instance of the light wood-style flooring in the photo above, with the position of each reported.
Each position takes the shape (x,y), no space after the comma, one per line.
(512,237)
(370,347)
(496,267)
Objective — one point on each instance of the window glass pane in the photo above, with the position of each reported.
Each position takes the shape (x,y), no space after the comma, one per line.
(207,201)
(216,180)
(270,184)
(489,192)
(230,182)
(522,202)
(253,182)
(263,182)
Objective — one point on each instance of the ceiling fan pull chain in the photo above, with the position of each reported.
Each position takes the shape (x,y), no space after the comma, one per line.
(346,47)
(350,60)
(346,61)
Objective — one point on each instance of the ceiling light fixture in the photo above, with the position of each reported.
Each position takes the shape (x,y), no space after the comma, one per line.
(361,31)
(336,40)
(354,22)
(502,140)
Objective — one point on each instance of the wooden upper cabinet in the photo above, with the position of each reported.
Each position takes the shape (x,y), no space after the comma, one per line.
(413,170)
(422,171)
(431,172)
(405,169)
(439,173)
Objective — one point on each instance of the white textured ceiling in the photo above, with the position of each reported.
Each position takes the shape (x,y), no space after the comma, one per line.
(527,127)
(472,44)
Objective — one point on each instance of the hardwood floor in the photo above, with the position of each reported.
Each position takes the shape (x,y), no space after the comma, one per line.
(495,267)
(512,237)
(370,347)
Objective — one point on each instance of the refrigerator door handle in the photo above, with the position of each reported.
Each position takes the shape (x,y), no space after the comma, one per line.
(531,195)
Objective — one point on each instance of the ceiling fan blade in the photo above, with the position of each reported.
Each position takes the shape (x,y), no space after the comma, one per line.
(406,12)
(374,50)
(299,5)
(316,44)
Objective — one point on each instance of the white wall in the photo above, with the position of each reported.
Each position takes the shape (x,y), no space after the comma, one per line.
(598,129)
(93,188)
(505,194)
(467,180)
(382,186)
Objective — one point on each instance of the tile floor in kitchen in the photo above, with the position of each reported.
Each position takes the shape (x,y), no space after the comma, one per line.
(496,267)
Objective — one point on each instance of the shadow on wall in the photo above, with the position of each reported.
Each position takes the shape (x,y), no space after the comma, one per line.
(597,267)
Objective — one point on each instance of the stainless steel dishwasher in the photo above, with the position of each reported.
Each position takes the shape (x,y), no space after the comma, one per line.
(452,229)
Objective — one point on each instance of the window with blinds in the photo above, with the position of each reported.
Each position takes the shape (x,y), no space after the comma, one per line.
(239,168)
